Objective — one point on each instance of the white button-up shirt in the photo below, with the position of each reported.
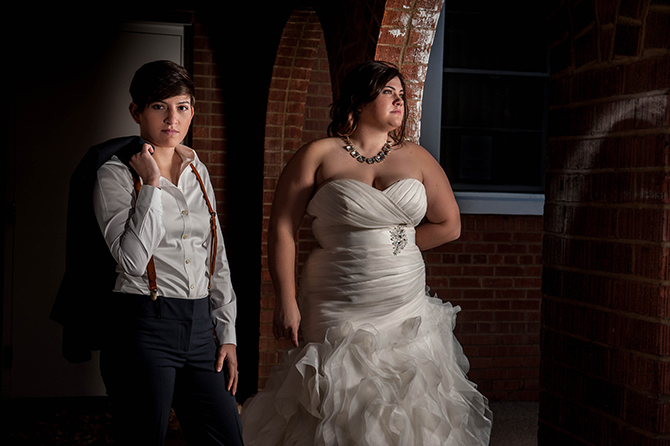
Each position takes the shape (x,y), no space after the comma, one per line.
(172,224)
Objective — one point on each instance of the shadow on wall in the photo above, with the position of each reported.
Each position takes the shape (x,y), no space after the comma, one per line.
(597,179)
(603,221)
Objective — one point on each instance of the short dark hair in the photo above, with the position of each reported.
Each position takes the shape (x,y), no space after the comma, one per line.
(159,80)
(361,86)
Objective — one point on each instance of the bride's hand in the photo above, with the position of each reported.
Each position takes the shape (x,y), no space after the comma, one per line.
(286,322)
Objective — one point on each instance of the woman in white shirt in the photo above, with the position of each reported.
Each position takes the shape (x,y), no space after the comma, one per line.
(157,212)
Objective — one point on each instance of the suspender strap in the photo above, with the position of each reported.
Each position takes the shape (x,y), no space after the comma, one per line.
(151,268)
(212,225)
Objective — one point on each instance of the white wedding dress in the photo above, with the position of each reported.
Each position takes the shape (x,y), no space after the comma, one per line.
(379,365)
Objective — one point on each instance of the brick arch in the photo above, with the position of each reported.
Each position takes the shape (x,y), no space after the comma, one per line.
(299,96)
(405,38)
(288,88)
(397,31)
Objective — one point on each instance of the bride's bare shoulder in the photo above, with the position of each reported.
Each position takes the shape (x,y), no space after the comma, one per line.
(411,148)
(311,156)
(322,144)
(316,150)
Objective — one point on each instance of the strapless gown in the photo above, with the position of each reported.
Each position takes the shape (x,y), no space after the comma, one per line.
(379,364)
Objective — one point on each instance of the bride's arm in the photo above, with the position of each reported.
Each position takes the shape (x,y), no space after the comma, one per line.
(443,219)
(294,189)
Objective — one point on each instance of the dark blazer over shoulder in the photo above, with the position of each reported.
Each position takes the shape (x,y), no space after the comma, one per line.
(89,266)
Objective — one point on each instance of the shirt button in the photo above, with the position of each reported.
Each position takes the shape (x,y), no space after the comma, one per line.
(192,287)
(184,212)
(185,236)
(188,261)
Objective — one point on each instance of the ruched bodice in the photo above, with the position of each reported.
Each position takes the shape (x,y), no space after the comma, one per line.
(379,365)
(367,257)
(350,213)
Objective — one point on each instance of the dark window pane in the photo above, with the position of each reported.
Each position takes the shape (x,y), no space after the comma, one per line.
(490,160)
(494,96)
(495,36)
(480,100)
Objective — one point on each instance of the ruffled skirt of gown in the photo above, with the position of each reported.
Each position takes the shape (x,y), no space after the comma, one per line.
(380,365)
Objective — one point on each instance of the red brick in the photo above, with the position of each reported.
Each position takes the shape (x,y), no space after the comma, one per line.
(657,32)
(497,283)
(509,271)
(586,48)
(388,53)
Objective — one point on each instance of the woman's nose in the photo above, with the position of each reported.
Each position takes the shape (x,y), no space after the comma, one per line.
(171,117)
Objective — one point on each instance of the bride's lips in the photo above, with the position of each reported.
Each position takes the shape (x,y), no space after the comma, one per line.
(171,132)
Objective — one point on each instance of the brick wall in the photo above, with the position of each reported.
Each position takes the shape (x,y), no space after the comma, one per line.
(228,133)
(208,131)
(494,272)
(298,91)
(319,97)
(606,310)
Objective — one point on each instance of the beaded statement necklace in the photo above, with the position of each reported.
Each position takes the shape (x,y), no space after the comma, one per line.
(378,158)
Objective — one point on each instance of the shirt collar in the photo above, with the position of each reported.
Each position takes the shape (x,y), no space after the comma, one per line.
(186,154)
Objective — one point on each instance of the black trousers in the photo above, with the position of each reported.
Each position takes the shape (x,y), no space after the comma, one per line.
(162,354)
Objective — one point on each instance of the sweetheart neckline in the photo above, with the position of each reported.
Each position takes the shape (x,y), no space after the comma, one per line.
(326,183)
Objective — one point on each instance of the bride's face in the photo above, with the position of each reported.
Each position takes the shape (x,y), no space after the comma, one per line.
(387,110)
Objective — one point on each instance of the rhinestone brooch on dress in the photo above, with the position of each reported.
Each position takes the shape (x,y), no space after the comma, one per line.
(398,239)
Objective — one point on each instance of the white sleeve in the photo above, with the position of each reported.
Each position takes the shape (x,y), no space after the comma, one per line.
(132,226)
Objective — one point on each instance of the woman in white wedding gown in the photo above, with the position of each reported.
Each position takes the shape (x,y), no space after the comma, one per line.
(379,364)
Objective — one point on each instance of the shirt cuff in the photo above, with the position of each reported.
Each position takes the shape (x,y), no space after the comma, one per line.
(225,333)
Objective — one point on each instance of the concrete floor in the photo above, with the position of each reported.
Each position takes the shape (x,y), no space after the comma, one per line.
(514,423)
(62,421)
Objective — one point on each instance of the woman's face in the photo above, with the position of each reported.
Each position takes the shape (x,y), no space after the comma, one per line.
(387,110)
(165,123)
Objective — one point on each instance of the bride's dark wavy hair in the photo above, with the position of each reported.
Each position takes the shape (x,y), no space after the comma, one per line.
(361,86)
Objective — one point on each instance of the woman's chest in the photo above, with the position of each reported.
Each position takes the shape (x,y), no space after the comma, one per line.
(395,167)
(185,212)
